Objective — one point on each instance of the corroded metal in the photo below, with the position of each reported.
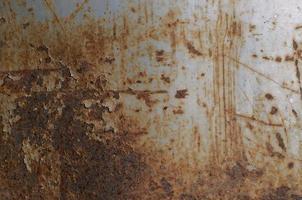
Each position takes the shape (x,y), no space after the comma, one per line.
(174,99)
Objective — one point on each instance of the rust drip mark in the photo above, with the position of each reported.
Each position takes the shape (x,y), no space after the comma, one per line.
(56,17)
(295,45)
(298,74)
(181,94)
(146,12)
(252,118)
(192,49)
(295,113)
(272,152)
(280,141)
(299,78)
(262,75)
(227,140)
(77,10)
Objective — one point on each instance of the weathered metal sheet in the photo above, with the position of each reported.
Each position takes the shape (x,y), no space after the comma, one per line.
(174,99)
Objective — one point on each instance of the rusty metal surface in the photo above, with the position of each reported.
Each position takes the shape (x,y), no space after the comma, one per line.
(174,99)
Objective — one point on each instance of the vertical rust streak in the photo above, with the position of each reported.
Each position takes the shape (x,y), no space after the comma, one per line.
(228,144)
(146,12)
(298,75)
(77,10)
(297,53)
(56,17)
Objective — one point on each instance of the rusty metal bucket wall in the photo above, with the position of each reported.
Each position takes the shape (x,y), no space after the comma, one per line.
(174,99)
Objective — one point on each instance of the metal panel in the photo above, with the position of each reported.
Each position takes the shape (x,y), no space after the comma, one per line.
(150,99)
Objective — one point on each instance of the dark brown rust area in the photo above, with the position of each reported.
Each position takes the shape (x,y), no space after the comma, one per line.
(274,110)
(54,123)
(192,50)
(268,96)
(181,94)
(281,193)
(16,182)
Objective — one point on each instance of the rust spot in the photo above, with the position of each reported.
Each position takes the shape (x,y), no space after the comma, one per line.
(290,165)
(192,49)
(146,96)
(268,96)
(274,110)
(289,58)
(2,20)
(181,94)
(265,58)
(165,78)
(178,111)
(255,55)
(252,27)
(160,55)
(278,59)
(25,25)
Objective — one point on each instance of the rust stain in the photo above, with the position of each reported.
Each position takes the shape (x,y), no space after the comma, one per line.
(192,49)
(274,110)
(82,114)
(160,55)
(227,141)
(268,96)
(77,10)
(49,5)
(278,59)
(181,94)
